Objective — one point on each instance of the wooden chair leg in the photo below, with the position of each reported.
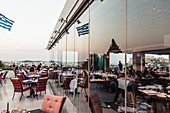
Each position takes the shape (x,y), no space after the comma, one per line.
(37,95)
(13,95)
(21,96)
(85,91)
(1,82)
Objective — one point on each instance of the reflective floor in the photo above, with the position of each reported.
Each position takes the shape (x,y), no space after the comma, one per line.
(75,104)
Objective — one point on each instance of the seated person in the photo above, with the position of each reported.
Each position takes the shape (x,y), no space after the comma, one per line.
(72,71)
(58,70)
(133,75)
(17,70)
(153,74)
(25,72)
(145,72)
(40,72)
(115,72)
(32,68)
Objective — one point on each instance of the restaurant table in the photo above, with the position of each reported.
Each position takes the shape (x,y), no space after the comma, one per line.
(105,75)
(33,76)
(62,75)
(31,83)
(97,80)
(154,94)
(155,97)
(166,78)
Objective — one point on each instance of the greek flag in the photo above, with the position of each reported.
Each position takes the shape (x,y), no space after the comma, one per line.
(84,29)
(5,22)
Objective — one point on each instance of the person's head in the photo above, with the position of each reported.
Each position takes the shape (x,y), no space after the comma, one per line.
(40,64)
(145,69)
(17,68)
(119,61)
(150,69)
(133,71)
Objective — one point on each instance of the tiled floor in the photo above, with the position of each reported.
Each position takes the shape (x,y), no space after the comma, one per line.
(6,93)
(77,104)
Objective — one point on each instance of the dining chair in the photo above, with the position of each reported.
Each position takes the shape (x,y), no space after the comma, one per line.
(18,87)
(79,76)
(1,74)
(41,85)
(44,74)
(4,77)
(51,74)
(55,76)
(21,79)
(15,73)
(84,84)
(51,104)
(95,104)
(23,76)
(32,73)
(66,85)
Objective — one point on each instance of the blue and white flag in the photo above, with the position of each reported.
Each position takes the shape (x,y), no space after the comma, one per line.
(84,29)
(5,22)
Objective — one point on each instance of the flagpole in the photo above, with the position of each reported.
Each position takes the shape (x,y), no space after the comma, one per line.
(89,60)
(125,56)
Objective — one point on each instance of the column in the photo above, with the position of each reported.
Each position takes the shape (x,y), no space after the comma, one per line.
(137,61)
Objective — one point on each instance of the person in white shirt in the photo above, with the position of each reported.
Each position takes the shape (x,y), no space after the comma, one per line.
(40,72)
(25,73)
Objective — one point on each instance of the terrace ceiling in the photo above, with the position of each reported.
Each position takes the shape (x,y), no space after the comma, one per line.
(71,12)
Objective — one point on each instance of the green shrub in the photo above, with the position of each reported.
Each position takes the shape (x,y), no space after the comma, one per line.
(8,68)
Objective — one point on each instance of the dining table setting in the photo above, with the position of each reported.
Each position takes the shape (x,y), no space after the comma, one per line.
(155,91)
(31,82)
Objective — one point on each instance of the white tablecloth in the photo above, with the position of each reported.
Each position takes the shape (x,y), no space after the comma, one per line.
(73,85)
(121,83)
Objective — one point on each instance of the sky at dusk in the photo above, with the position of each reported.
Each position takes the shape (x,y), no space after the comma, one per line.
(34,21)
(148,24)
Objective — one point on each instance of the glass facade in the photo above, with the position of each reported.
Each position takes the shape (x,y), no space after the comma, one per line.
(147,53)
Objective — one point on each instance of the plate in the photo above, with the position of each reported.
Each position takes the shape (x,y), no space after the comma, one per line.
(168,96)
(150,92)
(128,109)
(141,87)
(163,96)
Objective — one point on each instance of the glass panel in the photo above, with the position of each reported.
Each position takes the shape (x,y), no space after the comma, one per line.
(148,41)
(107,49)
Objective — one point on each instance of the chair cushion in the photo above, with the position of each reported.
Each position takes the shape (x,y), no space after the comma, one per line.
(25,88)
(52,104)
(95,103)
(34,88)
